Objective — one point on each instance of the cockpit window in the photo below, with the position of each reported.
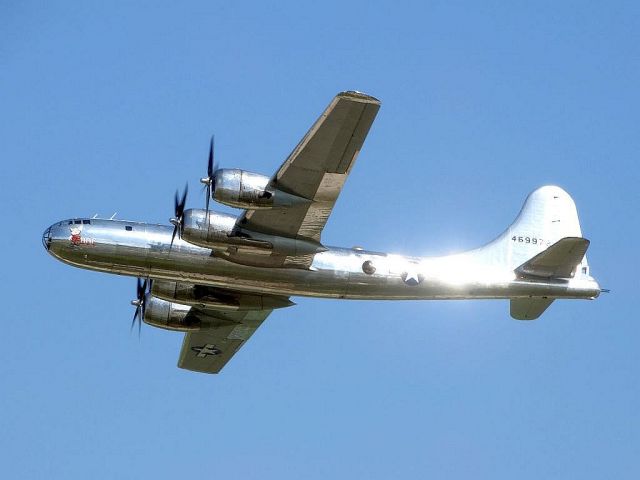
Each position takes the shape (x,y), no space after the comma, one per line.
(128,228)
(70,222)
(86,222)
(77,222)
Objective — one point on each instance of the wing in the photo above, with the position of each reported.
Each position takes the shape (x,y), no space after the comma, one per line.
(317,169)
(210,348)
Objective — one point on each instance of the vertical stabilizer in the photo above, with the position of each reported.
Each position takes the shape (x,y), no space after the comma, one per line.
(548,215)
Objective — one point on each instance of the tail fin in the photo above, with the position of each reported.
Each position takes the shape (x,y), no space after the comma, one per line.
(545,241)
(548,215)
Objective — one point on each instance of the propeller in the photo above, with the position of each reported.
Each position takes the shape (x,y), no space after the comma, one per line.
(178,220)
(140,303)
(210,180)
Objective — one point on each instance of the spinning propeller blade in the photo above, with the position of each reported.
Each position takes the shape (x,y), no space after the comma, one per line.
(140,303)
(210,180)
(178,219)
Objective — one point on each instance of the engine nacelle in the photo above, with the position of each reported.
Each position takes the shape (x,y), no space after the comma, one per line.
(219,232)
(211,232)
(170,316)
(203,296)
(242,189)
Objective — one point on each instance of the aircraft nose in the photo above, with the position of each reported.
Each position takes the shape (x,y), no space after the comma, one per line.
(52,237)
(46,239)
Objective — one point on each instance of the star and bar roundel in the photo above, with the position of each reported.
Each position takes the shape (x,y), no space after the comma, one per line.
(206,350)
(411,276)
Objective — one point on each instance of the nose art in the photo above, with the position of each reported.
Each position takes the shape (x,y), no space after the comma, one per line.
(46,238)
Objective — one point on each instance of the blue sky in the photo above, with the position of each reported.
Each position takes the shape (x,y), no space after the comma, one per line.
(108,107)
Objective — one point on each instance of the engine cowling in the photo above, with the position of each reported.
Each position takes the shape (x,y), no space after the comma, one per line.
(204,296)
(211,232)
(219,232)
(170,316)
(242,189)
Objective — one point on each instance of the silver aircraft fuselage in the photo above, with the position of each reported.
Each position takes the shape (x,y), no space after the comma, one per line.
(217,276)
(144,250)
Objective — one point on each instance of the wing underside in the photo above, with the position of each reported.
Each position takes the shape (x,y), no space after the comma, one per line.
(221,335)
(316,170)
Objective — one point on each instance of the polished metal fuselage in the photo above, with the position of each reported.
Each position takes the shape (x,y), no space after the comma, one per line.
(143,250)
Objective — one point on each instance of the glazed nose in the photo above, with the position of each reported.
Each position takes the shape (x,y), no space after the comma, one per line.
(46,238)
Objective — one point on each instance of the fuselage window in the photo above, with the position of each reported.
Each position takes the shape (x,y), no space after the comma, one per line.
(128,228)
(86,222)
(77,222)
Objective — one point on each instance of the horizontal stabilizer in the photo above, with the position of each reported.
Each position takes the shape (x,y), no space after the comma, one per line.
(558,261)
(529,308)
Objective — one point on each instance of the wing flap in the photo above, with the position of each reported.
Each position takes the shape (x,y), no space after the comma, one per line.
(558,261)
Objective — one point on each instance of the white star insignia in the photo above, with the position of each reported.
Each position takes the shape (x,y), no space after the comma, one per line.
(412,277)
